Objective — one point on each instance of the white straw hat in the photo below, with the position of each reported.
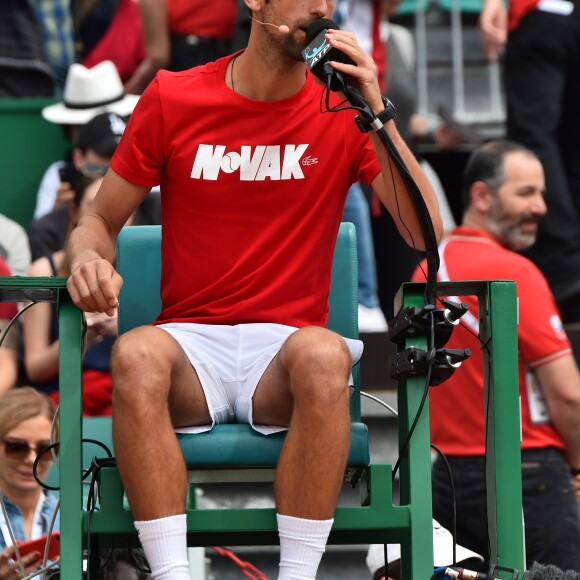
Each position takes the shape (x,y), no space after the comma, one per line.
(442,551)
(89,91)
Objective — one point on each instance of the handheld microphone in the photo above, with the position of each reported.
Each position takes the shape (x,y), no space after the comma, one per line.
(283,29)
(318,53)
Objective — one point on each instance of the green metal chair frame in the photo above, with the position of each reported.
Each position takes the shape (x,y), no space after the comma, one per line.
(376,519)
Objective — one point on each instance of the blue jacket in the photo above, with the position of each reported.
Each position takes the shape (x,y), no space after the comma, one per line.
(17,520)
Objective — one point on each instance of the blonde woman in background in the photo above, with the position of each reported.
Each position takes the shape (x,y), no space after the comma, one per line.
(26,417)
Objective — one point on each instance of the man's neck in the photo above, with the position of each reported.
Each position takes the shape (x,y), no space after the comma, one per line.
(261,77)
(475,221)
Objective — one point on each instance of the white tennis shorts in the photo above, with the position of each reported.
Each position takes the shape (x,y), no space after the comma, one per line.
(230,361)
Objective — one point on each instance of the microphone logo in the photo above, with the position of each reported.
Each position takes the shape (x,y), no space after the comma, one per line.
(316,50)
(319,51)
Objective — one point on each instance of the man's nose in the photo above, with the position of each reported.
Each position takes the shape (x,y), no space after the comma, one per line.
(320,8)
(539,206)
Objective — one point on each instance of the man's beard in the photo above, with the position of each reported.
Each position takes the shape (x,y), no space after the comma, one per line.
(508,230)
(291,48)
(290,45)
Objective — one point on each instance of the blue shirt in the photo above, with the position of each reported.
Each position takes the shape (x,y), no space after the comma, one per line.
(17,519)
(56,24)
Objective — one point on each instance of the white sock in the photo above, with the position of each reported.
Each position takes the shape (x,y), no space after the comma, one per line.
(302,543)
(164,542)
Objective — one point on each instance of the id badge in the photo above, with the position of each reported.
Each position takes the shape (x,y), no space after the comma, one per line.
(538,407)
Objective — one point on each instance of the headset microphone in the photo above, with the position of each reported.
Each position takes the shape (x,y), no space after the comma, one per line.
(283,29)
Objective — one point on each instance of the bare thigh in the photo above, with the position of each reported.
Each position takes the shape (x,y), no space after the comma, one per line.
(150,368)
(314,354)
(273,401)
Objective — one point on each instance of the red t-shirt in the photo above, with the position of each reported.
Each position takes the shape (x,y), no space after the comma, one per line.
(457,419)
(252,195)
(215,19)
(517,10)
(7,309)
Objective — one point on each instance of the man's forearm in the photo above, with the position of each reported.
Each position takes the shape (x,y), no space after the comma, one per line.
(90,240)
(397,198)
(566,419)
(560,382)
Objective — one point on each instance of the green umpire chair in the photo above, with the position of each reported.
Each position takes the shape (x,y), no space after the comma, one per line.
(237,453)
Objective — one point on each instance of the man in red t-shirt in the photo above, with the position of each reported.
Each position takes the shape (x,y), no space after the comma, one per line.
(181,34)
(542,87)
(503,190)
(8,350)
(253,182)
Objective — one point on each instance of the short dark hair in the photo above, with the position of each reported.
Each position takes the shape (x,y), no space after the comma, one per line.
(486,164)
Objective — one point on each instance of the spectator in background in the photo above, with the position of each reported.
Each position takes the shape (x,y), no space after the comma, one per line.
(88,92)
(24,70)
(542,85)
(363,19)
(40,330)
(181,35)
(503,196)
(9,347)
(94,147)
(384,262)
(26,418)
(14,246)
(401,88)
(109,30)
(55,21)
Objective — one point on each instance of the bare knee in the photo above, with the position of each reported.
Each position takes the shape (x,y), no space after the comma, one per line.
(141,365)
(319,363)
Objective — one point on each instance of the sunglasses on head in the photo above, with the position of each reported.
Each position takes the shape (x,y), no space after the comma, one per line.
(20,449)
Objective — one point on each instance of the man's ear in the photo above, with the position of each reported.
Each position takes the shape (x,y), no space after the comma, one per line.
(253,6)
(481,196)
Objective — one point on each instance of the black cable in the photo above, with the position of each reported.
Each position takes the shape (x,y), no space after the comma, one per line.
(421,211)
(56,444)
(41,452)
(486,427)
(14,319)
(485,347)
(96,465)
(453,501)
